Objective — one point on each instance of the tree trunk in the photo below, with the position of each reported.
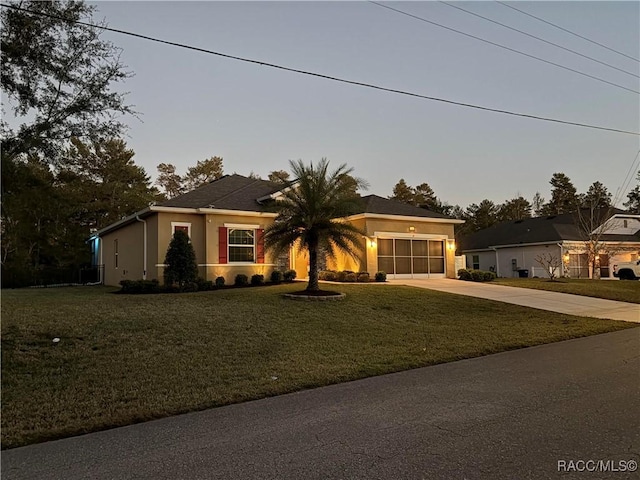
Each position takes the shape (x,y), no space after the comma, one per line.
(313,266)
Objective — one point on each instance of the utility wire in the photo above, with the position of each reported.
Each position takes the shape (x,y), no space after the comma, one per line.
(327,77)
(503,46)
(540,39)
(568,31)
(627,180)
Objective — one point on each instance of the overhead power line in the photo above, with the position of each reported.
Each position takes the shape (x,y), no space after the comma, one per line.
(624,186)
(568,31)
(540,39)
(402,12)
(327,77)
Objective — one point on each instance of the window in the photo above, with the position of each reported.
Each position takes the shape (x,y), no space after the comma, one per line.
(183,226)
(476,262)
(242,245)
(115,252)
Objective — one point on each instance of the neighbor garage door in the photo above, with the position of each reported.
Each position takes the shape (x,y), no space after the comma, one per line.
(411,258)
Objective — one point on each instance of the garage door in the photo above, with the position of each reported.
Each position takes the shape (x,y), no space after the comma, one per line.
(411,258)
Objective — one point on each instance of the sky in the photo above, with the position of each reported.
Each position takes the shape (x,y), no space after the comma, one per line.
(194,105)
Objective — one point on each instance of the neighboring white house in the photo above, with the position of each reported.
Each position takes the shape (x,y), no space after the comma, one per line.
(511,248)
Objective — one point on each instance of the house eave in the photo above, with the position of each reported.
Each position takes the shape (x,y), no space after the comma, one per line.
(382,216)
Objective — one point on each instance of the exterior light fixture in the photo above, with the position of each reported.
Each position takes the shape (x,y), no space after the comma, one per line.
(451,244)
(412,228)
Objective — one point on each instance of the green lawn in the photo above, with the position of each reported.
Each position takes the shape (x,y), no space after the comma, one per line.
(124,359)
(624,291)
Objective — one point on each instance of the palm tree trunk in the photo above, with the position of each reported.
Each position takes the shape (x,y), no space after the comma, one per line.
(313,266)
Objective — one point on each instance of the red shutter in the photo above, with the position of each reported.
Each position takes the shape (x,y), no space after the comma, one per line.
(222,241)
(260,245)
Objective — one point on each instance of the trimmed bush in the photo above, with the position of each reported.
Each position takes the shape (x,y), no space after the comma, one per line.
(276,276)
(488,276)
(241,280)
(140,286)
(289,275)
(464,274)
(476,275)
(341,276)
(204,285)
(363,277)
(219,282)
(351,277)
(328,275)
(381,276)
(257,279)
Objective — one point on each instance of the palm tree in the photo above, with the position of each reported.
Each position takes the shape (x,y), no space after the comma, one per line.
(310,214)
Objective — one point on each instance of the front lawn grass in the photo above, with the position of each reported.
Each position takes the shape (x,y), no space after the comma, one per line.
(621,290)
(123,359)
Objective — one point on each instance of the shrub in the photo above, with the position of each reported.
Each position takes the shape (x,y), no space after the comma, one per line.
(363,277)
(241,280)
(332,275)
(488,276)
(328,275)
(341,276)
(257,279)
(140,286)
(276,276)
(190,287)
(476,275)
(181,267)
(381,276)
(204,285)
(219,282)
(289,275)
(351,277)
(464,274)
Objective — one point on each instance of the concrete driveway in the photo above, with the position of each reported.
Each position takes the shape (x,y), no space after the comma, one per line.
(526,414)
(528,297)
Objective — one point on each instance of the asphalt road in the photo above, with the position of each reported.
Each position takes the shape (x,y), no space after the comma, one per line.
(514,415)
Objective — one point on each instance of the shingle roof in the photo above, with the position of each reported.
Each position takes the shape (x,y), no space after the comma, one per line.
(534,230)
(231,192)
(385,206)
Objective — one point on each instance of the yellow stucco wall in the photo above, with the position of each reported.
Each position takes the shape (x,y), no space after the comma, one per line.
(420,227)
(205,240)
(130,254)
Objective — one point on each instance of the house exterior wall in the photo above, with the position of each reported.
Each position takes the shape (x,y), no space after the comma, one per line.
(204,230)
(129,241)
(486,260)
(403,227)
(164,233)
(211,266)
(525,258)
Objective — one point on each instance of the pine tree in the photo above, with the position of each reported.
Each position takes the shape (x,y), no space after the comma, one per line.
(564,198)
(633,198)
(403,193)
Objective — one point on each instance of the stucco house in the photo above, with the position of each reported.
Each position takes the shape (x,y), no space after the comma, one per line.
(225,221)
(510,248)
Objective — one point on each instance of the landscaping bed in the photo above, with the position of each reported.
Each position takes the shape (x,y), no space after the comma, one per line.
(122,359)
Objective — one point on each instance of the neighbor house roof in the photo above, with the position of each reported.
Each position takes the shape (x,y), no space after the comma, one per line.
(385,206)
(230,192)
(548,229)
